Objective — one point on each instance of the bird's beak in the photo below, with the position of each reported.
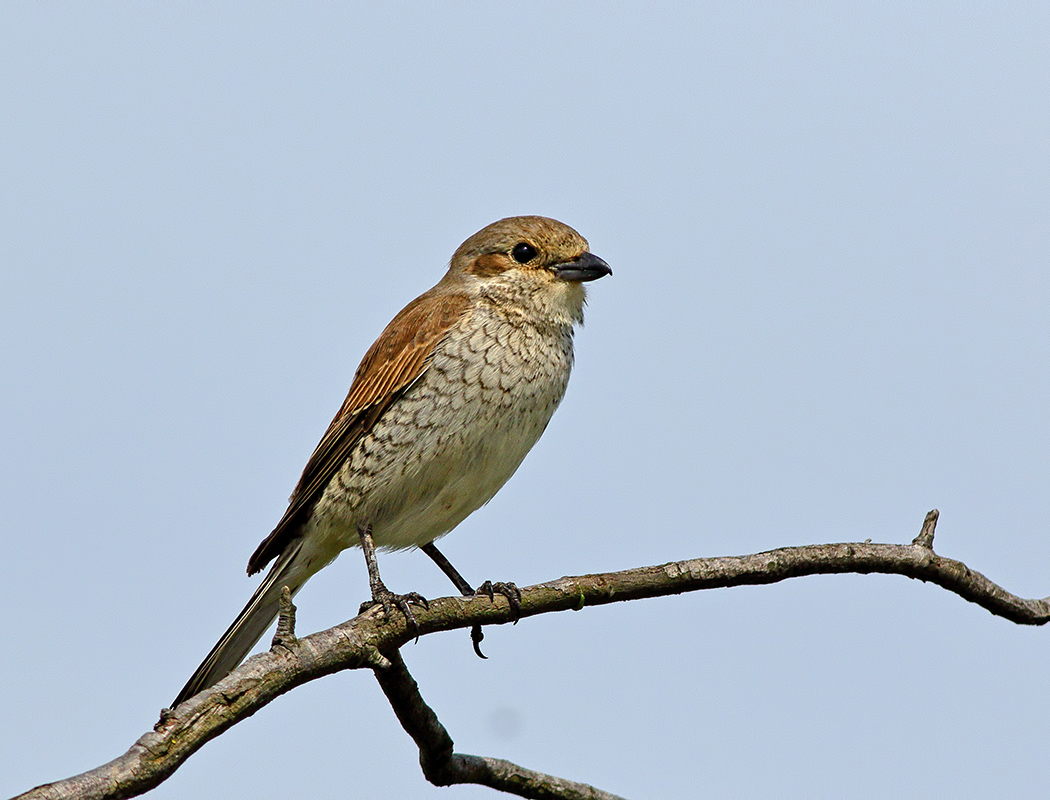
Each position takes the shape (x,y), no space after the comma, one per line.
(587,267)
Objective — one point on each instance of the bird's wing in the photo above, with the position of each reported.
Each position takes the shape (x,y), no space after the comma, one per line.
(397,358)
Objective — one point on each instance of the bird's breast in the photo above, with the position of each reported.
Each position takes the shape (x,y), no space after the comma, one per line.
(448,444)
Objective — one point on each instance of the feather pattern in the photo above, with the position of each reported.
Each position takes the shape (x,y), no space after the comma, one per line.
(394,361)
(249,626)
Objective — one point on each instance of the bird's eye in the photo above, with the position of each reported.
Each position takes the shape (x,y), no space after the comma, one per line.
(523,252)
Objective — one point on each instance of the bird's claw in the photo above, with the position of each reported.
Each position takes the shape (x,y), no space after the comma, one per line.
(476,635)
(490,590)
(403,602)
(508,590)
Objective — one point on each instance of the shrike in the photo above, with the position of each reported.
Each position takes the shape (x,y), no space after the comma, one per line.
(442,410)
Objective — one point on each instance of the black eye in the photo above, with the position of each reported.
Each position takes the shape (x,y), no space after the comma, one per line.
(523,252)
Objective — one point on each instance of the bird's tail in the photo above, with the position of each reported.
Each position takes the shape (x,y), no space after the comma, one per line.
(250,624)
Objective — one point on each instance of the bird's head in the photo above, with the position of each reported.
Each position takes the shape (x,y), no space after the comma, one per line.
(533,261)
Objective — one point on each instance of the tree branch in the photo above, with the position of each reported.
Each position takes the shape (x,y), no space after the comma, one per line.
(363,641)
(443,767)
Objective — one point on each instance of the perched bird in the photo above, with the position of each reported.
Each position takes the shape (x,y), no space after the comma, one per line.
(443,408)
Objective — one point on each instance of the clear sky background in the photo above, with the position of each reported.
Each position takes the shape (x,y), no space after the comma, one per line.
(829,225)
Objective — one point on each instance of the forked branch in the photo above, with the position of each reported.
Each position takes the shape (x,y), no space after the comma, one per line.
(371,641)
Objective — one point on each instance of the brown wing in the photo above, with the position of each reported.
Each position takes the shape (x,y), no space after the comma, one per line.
(397,358)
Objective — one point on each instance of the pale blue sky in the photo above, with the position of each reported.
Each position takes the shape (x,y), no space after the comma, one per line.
(829,225)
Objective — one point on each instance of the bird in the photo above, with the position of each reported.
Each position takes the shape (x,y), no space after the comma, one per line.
(442,410)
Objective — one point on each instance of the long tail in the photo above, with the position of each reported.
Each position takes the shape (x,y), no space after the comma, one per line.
(250,624)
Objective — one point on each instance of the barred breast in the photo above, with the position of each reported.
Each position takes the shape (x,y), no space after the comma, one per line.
(455,437)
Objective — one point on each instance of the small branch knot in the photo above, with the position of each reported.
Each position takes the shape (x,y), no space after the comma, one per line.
(166,715)
(925,537)
(284,636)
(376,660)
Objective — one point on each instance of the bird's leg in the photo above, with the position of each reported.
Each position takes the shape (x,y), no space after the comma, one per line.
(380,594)
(488,588)
(438,558)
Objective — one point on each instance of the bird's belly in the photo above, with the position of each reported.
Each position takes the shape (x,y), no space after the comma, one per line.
(431,502)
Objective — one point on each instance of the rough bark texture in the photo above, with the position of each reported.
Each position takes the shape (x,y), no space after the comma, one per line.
(371,641)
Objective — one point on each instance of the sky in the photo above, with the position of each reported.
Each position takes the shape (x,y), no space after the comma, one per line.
(829,314)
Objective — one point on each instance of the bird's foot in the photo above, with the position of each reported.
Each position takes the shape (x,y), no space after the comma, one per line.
(508,590)
(490,590)
(381,596)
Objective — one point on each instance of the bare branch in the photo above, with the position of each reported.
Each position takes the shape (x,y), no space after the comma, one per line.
(929,525)
(443,767)
(363,641)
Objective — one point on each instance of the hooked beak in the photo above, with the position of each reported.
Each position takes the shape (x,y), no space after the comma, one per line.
(587,267)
